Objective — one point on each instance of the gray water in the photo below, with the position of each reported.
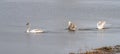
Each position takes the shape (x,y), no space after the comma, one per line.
(52,16)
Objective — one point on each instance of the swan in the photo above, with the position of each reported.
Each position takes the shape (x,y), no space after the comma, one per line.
(32,30)
(71,26)
(101,24)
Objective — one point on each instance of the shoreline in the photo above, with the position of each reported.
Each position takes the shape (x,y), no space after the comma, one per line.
(102,50)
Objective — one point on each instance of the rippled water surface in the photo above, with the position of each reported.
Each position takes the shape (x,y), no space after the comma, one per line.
(53,18)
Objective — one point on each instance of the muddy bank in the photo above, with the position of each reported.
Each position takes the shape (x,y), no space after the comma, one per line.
(103,50)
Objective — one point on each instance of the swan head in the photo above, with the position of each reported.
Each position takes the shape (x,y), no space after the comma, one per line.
(27,23)
(101,24)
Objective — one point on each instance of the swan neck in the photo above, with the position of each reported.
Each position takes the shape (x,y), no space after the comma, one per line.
(69,23)
(28,28)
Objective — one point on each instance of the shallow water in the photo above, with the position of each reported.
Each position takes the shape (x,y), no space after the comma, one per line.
(53,18)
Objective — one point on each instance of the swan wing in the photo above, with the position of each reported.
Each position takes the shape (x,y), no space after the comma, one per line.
(36,30)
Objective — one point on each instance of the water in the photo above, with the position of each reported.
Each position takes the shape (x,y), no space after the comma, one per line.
(53,18)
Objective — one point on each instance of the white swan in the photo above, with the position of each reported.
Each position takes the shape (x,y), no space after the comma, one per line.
(33,30)
(71,26)
(101,24)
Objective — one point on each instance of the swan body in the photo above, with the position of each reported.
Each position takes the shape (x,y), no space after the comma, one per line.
(33,30)
(101,24)
(71,26)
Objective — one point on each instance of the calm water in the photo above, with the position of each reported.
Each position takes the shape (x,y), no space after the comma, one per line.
(53,18)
